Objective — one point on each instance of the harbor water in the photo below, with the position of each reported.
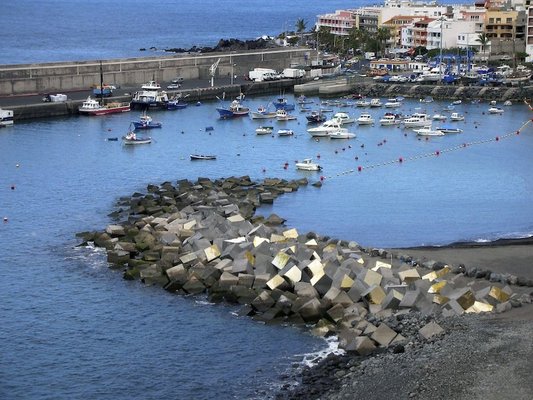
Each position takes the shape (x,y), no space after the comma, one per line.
(74,328)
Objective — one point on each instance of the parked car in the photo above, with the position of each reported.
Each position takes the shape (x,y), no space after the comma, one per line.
(174,86)
(177,80)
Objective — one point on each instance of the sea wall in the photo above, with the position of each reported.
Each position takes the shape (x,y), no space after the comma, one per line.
(205,237)
(79,75)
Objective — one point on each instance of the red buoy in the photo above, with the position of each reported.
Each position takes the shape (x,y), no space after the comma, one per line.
(322,178)
(497,138)
(359,168)
(518,132)
(264,170)
(12,187)
(400,159)
(318,156)
(437,153)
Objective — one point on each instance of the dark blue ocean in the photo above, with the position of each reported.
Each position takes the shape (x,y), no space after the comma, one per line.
(71,328)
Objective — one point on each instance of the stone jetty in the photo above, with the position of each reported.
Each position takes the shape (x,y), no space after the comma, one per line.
(205,237)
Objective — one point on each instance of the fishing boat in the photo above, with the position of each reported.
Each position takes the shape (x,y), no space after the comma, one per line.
(131,138)
(6,117)
(283,115)
(303,100)
(281,103)
(390,119)
(457,117)
(285,132)
(236,109)
(341,134)
(315,117)
(93,107)
(263,113)
(428,131)
(449,129)
(146,122)
(308,165)
(495,110)
(176,103)
(343,118)
(365,119)
(264,130)
(195,157)
(150,96)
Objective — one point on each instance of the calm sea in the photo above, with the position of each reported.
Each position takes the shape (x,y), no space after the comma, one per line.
(71,328)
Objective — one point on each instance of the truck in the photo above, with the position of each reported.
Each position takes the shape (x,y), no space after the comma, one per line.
(262,74)
(293,73)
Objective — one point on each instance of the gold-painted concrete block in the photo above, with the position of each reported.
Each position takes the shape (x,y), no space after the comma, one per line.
(316,267)
(291,234)
(189,224)
(212,252)
(316,277)
(375,295)
(466,299)
(235,218)
(498,294)
(346,282)
(329,248)
(258,240)
(479,307)
(294,274)
(250,257)
(434,275)
(440,299)
(372,278)
(360,260)
(275,238)
(381,264)
(275,282)
(280,260)
(409,275)
(311,243)
(437,287)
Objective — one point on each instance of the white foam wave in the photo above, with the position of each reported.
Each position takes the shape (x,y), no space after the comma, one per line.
(332,347)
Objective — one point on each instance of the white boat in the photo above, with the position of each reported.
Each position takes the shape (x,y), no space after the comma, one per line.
(6,117)
(456,102)
(439,117)
(375,103)
(343,118)
(285,132)
(427,99)
(390,119)
(341,134)
(264,130)
(132,139)
(362,103)
(365,119)
(507,103)
(393,103)
(151,85)
(495,110)
(449,129)
(308,165)
(428,131)
(457,117)
(282,115)
(263,113)
(417,120)
(330,125)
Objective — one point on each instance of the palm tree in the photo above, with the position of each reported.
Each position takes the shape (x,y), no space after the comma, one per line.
(483,39)
(382,35)
(301,25)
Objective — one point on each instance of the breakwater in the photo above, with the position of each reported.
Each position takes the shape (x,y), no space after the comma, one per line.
(205,237)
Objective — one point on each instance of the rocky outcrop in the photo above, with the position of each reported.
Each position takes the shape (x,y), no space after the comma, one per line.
(204,237)
(225,45)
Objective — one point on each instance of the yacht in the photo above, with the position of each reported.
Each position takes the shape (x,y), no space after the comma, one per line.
(457,117)
(344,118)
(365,119)
(331,125)
(417,120)
(390,119)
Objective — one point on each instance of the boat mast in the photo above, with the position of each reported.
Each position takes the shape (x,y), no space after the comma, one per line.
(101,85)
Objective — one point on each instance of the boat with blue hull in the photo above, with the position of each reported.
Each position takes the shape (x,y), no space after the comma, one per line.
(176,104)
(282,104)
(146,122)
(235,109)
(150,96)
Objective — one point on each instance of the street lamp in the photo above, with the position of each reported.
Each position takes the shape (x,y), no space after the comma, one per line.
(232,73)
(441,19)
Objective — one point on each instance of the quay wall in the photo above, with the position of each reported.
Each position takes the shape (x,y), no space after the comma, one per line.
(67,76)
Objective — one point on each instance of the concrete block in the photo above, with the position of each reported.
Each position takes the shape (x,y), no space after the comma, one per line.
(430,330)
(464,297)
(291,234)
(434,275)
(188,259)
(235,218)
(311,310)
(409,275)
(263,301)
(343,299)
(275,238)
(177,274)
(312,243)
(306,290)
(240,266)
(336,313)
(479,307)
(260,281)
(280,260)
(294,274)
(383,335)
(410,298)
(370,278)
(437,287)
(361,345)
(227,280)
(321,282)
(277,282)
(380,264)
(453,307)
(194,286)
(440,299)
(392,299)
(115,230)
(223,265)
(212,252)
(374,295)
(246,280)
(259,240)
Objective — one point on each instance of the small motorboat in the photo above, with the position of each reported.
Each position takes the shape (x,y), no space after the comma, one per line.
(439,117)
(195,157)
(176,103)
(457,117)
(375,103)
(427,99)
(308,165)
(285,132)
(427,131)
(390,119)
(343,118)
(495,110)
(393,103)
(282,104)
(303,100)
(264,130)
(146,122)
(341,134)
(508,103)
(283,115)
(131,138)
(263,113)
(365,119)
(449,129)
(456,102)
(362,103)
(331,125)
(315,117)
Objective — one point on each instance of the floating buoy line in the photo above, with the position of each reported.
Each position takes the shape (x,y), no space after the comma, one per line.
(435,153)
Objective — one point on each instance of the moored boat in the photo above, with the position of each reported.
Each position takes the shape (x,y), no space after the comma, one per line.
(176,103)
(146,122)
(195,157)
(428,131)
(323,130)
(417,120)
(285,132)
(439,117)
(315,117)
(308,165)
(390,119)
(131,138)
(283,115)
(92,107)
(344,118)
(236,109)
(365,119)
(495,110)
(449,129)
(6,117)
(341,134)
(264,130)
(375,103)
(281,103)
(262,113)
(456,117)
